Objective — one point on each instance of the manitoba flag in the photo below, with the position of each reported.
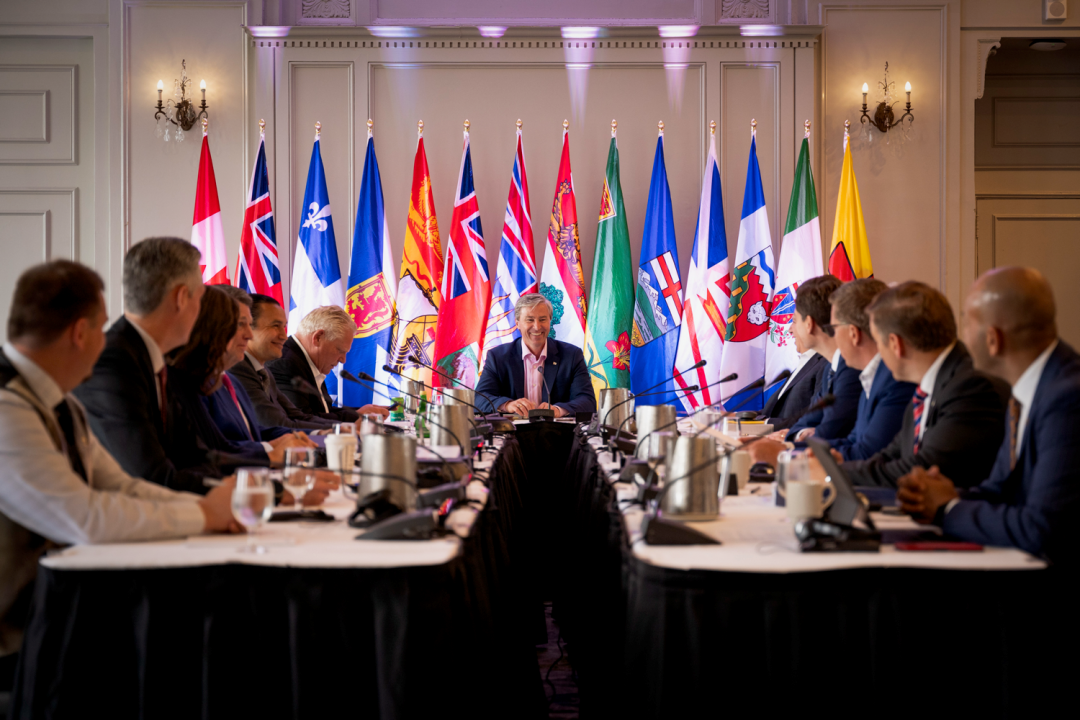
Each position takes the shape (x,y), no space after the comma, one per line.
(206,232)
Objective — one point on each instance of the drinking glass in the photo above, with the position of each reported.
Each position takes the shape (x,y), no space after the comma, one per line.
(299,473)
(252,503)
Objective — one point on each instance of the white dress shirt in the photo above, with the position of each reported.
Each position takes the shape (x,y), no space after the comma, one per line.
(803,359)
(929,378)
(836,359)
(258,365)
(1024,391)
(157,359)
(40,491)
(534,381)
(866,377)
(319,377)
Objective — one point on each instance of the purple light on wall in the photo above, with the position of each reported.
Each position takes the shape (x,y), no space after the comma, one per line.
(393,31)
(491,31)
(677,31)
(761,30)
(580,33)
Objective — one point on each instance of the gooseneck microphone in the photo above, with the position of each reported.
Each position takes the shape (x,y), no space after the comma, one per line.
(618,430)
(729,378)
(417,361)
(465,448)
(778,379)
(392,371)
(649,390)
(540,369)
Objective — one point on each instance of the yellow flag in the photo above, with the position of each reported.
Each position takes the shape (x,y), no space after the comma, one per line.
(849,255)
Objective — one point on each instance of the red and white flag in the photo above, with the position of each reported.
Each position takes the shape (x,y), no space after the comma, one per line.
(206,232)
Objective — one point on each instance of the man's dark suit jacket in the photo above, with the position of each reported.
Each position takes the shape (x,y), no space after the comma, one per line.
(227,417)
(837,420)
(271,407)
(966,416)
(503,378)
(194,406)
(292,364)
(880,416)
(784,408)
(1036,506)
(122,407)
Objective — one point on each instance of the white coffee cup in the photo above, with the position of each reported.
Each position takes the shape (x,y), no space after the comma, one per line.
(340,452)
(740,466)
(807,498)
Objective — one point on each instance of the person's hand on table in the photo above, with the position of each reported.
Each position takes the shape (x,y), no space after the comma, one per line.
(779,435)
(804,433)
(836,455)
(216,506)
(521,406)
(559,412)
(375,410)
(297,438)
(325,482)
(921,493)
(765,450)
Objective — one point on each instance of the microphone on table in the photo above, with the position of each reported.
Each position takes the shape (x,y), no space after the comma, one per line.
(417,361)
(784,375)
(649,390)
(464,448)
(392,371)
(613,443)
(548,412)
(729,378)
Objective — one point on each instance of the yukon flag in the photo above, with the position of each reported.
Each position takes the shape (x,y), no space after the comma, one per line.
(316,275)
(257,269)
(562,281)
(752,282)
(701,335)
(372,286)
(849,254)
(418,297)
(516,274)
(466,289)
(206,232)
(800,260)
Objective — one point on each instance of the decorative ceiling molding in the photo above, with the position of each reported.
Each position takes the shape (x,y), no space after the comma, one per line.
(739,11)
(986,48)
(326,12)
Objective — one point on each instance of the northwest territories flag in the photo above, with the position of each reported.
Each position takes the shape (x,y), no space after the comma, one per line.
(800,260)
(316,275)
(372,286)
(701,335)
(466,286)
(658,303)
(257,269)
(752,282)
(206,232)
(516,275)
(562,281)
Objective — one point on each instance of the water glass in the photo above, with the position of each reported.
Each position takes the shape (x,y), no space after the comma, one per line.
(299,473)
(252,503)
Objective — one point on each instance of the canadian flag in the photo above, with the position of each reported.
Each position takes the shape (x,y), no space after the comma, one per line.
(206,232)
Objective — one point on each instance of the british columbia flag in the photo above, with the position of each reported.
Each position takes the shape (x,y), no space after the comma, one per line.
(257,268)
(516,273)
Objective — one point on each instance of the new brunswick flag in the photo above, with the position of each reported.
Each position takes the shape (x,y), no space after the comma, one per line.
(849,255)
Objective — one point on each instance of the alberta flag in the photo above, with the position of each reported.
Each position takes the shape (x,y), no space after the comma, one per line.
(752,283)
(257,269)
(658,302)
(372,286)
(466,287)
(562,281)
(516,275)
(316,275)
(701,335)
(800,260)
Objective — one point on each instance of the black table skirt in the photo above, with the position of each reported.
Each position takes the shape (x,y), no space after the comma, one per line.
(656,642)
(243,641)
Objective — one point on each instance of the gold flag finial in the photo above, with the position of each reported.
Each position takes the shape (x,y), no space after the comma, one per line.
(660,127)
(518,123)
(614,126)
(370,124)
(205,122)
(420,128)
(806,129)
(712,128)
(565,125)
(262,127)
(318,129)
(467,124)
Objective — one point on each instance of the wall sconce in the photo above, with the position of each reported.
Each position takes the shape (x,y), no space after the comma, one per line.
(181,111)
(884,118)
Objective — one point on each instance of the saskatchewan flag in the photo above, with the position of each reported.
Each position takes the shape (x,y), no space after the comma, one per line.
(849,255)
(611,299)
(800,260)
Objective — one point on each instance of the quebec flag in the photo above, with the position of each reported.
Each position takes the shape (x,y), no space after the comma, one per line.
(372,287)
(316,275)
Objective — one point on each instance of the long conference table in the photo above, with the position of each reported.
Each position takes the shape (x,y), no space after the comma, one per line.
(323,624)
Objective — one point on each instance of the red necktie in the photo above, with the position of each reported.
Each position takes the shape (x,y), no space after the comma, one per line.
(236,401)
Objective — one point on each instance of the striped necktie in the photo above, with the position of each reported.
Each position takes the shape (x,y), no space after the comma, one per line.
(918,402)
(1014,420)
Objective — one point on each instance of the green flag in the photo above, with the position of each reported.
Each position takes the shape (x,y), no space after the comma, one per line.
(611,299)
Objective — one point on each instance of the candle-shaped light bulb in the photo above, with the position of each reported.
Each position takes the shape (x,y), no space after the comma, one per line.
(202,85)
(907,87)
(160,86)
(865,89)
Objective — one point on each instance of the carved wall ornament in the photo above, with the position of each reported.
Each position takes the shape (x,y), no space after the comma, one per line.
(745,9)
(986,48)
(326,9)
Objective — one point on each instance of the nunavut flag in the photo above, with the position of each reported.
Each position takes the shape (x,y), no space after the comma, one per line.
(466,286)
(752,281)
(372,286)
(206,231)
(849,255)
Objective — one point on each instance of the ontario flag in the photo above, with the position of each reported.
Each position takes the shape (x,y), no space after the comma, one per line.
(562,280)
(516,274)
(206,232)
(849,255)
(372,286)
(466,286)
(701,335)
(800,260)
(257,269)
(752,282)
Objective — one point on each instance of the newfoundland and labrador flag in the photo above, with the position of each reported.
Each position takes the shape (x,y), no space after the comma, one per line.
(372,286)
(257,269)
(752,282)
(800,260)
(316,275)
(516,274)
(701,335)
(607,334)
(206,232)
(849,255)
(562,280)
(466,287)
(658,302)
